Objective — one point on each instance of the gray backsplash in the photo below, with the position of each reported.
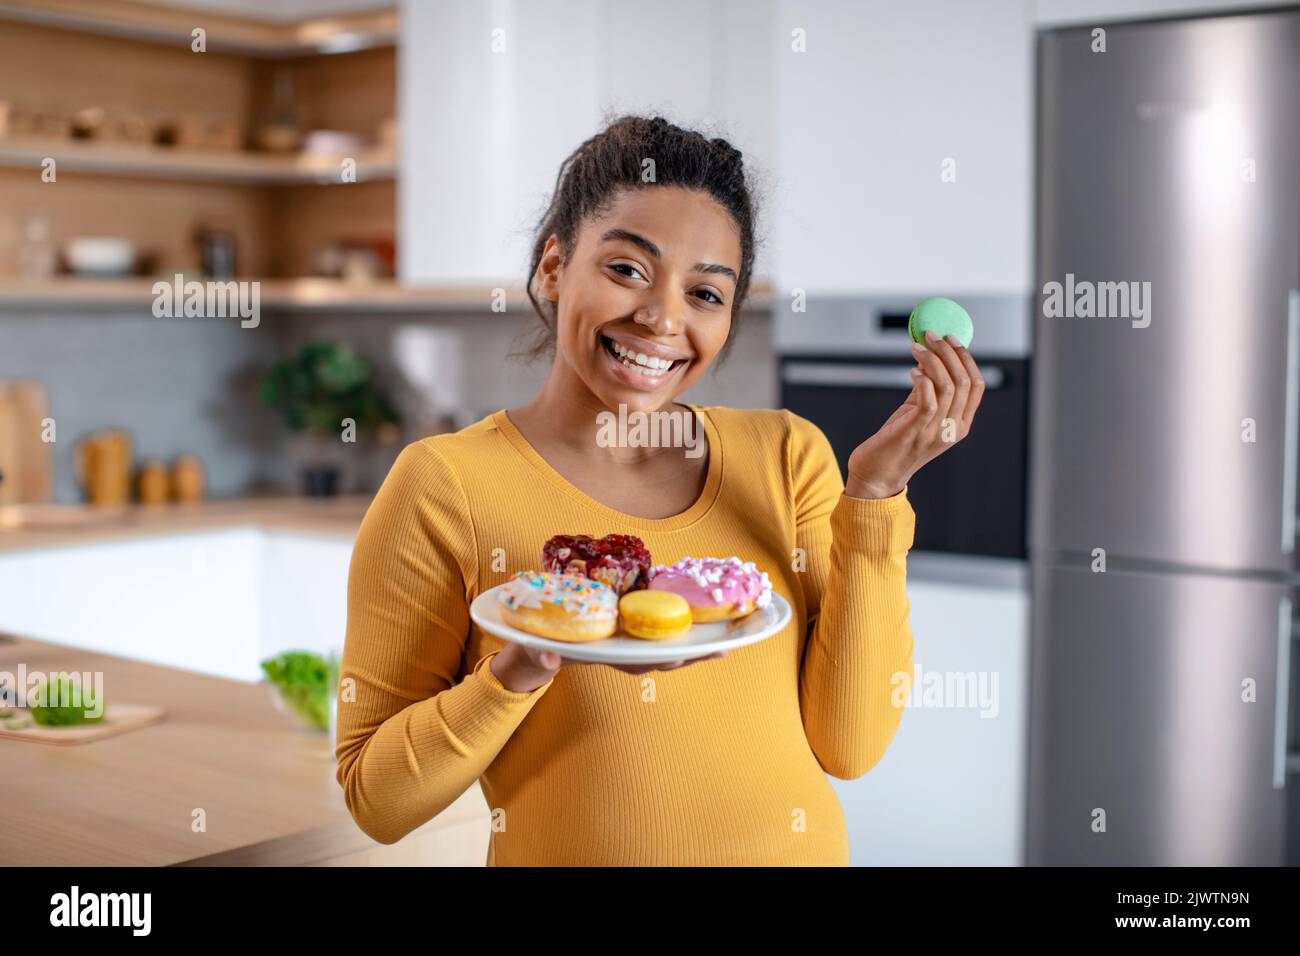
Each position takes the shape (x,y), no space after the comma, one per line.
(187,385)
(465,361)
(178,385)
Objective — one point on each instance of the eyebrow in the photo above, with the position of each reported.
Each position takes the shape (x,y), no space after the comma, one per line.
(712,268)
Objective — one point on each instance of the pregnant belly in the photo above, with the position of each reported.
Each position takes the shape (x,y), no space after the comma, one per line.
(652,790)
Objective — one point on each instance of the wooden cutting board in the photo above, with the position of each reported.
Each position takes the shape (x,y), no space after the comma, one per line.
(26,474)
(118,719)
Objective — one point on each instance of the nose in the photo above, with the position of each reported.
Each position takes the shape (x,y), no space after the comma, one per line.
(664,315)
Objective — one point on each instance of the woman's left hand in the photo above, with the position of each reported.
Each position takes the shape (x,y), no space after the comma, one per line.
(936,415)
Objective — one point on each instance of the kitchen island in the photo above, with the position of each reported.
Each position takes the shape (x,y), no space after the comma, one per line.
(213,587)
(265,787)
(28,526)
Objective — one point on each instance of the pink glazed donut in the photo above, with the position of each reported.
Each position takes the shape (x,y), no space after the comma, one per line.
(717,589)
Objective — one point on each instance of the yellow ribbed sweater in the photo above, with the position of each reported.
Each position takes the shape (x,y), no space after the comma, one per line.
(723,762)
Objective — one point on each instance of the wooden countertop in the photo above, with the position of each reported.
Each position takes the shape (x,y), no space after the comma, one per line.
(266,786)
(49,526)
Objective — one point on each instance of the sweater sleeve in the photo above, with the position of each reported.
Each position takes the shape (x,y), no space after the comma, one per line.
(410,741)
(851,684)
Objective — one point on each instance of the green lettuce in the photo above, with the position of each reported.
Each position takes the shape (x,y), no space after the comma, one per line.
(307,683)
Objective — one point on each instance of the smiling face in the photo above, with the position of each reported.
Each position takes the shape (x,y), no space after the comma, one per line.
(644,301)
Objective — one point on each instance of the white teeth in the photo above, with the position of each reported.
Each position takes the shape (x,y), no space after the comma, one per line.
(640,369)
(646,364)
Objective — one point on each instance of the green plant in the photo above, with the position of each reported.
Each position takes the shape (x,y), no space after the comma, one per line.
(58,709)
(306,683)
(322,385)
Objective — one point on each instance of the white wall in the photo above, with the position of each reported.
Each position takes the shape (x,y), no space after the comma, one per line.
(883,95)
(484,133)
(865,118)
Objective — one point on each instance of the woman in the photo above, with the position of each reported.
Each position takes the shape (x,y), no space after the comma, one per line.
(639,280)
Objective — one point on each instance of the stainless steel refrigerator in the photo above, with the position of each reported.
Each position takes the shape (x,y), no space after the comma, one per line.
(1164,442)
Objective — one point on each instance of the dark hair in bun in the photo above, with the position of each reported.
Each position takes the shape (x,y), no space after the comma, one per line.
(593,175)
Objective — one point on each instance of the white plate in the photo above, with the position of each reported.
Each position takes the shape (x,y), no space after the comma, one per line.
(699,641)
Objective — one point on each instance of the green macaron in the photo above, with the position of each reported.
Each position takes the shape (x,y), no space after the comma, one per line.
(945,317)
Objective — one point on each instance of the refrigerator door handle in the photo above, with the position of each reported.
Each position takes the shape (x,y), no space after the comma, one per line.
(1282,694)
(1291,412)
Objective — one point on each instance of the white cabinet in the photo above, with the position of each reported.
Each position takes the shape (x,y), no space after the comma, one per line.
(304,594)
(186,601)
(893,153)
(951,788)
(895,144)
(495,95)
(904,147)
(215,602)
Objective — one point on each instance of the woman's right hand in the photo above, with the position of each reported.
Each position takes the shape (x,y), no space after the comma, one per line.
(524,669)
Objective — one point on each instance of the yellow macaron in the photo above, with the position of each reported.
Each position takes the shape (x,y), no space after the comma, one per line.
(655,615)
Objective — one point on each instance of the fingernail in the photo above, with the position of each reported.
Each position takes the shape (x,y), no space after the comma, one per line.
(932,335)
(918,349)
(916,371)
(954,341)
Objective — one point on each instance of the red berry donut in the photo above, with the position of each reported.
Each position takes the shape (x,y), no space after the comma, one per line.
(620,561)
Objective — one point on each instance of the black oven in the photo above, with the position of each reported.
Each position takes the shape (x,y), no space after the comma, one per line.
(969,500)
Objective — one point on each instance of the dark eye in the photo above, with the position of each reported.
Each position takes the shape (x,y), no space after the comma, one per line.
(716,298)
(635,272)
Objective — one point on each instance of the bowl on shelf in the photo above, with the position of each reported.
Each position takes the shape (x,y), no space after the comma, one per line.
(99,256)
(331,142)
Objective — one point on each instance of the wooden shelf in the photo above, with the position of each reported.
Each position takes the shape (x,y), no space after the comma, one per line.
(326,295)
(113,159)
(228,33)
(287,295)
(302,295)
